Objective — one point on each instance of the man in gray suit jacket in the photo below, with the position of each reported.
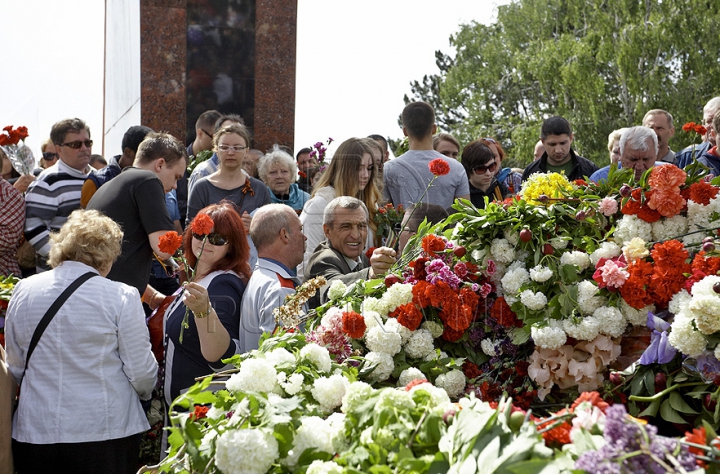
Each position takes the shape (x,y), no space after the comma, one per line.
(342,255)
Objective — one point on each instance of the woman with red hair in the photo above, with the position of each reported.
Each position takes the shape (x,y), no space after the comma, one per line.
(213,298)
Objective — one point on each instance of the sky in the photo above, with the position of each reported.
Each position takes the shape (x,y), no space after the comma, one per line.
(350,80)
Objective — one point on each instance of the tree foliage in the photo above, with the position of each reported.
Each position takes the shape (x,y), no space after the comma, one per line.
(599,63)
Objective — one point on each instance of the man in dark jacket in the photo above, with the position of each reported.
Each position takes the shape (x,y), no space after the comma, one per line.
(557,137)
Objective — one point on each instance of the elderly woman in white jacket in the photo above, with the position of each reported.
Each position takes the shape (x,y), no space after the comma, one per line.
(352,172)
(80,393)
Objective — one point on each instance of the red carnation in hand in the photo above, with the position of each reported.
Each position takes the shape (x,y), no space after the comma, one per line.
(439,167)
(353,324)
(688,127)
(202,224)
(170,242)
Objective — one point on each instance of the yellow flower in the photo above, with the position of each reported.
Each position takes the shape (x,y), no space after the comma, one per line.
(551,185)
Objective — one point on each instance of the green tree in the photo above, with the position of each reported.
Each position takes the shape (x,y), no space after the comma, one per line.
(599,63)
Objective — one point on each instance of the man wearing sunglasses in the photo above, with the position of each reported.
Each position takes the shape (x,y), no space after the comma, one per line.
(136,201)
(56,192)
(557,137)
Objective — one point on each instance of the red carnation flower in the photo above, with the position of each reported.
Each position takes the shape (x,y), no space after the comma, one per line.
(170,242)
(688,127)
(439,167)
(353,324)
(700,130)
(200,412)
(202,224)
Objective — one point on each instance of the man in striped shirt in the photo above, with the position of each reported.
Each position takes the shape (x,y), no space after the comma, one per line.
(56,192)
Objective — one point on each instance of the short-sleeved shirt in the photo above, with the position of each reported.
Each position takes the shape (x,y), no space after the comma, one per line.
(204,193)
(407,176)
(136,201)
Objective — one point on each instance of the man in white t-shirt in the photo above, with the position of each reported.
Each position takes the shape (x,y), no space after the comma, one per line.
(407,176)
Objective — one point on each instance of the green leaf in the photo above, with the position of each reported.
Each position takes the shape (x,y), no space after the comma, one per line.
(668,413)
(677,402)
(651,410)
(650,382)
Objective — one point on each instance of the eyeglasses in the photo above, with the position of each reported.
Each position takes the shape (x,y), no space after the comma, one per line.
(77,144)
(480,169)
(487,139)
(206,133)
(214,238)
(236,149)
(47,156)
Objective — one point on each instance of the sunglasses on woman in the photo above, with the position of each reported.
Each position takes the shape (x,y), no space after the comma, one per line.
(480,169)
(214,238)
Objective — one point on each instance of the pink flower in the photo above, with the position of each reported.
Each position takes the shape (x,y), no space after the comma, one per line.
(485,290)
(611,274)
(608,206)
(490,268)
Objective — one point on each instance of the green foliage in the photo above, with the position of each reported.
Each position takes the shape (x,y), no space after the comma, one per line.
(601,64)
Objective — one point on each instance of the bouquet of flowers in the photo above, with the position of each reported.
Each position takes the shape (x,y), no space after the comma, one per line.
(12,142)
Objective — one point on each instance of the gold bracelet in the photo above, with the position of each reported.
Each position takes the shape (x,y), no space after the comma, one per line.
(203,314)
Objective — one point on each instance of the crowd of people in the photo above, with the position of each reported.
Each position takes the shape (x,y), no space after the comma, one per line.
(276,221)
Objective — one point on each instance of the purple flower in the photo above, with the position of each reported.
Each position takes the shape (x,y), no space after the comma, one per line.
(659,350)
(313,153)
(318,145)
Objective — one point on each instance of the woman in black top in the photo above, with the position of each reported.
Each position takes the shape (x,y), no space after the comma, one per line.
(480,166)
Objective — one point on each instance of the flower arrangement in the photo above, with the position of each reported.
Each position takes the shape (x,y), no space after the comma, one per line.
(12,142)
(388,220)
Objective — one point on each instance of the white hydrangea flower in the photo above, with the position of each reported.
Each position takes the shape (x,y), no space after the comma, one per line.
(586,329)
(255,375)
(514,278)
(559,243)
(438,395)
(383,339)
(669,228)
(355,394)
(372,319)
(453,382)
(337,290)
(215,413)
(393,325)
(280,357)
(577,258)
(612,321)
(293,385)
(436,329)
(679,301)
(684,337)
(548,337)
(632,226)
(502,251)
(314,432)
(636,317)
(396,399)
(534,301)
(606,250)
(373,304)
(246,451)
(318,355)
(488,347)
(420,344)
(706,312)
(324,467)
(384,365)
(398,294)
(704,287)
(329,391)
(435,356)
(511,300)
(540,273)
(408,375)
